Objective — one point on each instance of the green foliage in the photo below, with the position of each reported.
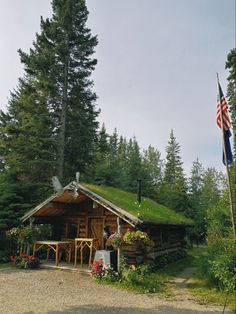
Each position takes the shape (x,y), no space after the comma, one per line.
(231,95)
(13,202)
(152,173)
(50,124)
(142,279)
(174,185)
(23,235)
(60,66)
(219,264)
(8,247)
(219,221)
(108,275)
(197,233)
(119,163)
(4,256)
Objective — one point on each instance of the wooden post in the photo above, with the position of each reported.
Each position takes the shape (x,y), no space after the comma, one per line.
(118,250)
(57,254)
(34,249)
(76,248)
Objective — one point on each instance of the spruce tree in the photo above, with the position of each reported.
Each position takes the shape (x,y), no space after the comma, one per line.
(112,172)
(134,164)
(61,63)
(99,169)
(196,211)
(152,172)
(27,153)
(174,187)
(121,163)
(231,91)
(212,188)
(195,184)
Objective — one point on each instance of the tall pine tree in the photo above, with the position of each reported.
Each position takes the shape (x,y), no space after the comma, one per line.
(174,186)
(152,172)
(231,91)
(61,64)
(196,211)
(27,153)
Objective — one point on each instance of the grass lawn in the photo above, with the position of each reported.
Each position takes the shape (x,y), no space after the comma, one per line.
(6,265)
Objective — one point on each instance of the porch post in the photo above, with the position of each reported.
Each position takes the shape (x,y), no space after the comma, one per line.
(118,250)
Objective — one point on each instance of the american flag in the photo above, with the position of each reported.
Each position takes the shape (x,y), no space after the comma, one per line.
(223,115)
(224,109)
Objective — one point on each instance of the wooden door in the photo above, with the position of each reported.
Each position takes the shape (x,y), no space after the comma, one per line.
(95,230)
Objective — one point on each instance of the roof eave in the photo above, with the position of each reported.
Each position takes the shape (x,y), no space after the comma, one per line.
(129,218)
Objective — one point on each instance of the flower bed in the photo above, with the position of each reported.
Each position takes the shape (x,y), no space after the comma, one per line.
(25,261)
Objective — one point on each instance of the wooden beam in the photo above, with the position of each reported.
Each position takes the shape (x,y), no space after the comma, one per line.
(118,250)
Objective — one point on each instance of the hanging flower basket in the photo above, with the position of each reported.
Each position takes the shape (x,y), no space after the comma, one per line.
(136,237)
(115,240)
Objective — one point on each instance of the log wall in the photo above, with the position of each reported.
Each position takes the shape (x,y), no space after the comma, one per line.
(167,244)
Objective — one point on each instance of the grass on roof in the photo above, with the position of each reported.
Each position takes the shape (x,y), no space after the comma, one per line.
(147,211)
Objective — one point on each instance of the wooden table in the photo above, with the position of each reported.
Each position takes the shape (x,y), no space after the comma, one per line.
(56,246)
(80,244)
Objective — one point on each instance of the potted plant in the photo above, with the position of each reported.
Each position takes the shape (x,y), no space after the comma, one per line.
(115,240)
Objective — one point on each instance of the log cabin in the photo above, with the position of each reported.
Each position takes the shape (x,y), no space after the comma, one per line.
(86,211)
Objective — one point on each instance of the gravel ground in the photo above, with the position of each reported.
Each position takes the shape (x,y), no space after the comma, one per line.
(57,292)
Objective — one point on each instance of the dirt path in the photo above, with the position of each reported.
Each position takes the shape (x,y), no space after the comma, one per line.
(60,292)
(180,284)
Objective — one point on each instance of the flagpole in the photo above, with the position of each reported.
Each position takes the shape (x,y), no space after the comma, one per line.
(227,166)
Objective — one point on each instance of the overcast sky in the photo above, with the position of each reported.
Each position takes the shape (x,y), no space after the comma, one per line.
(157,64)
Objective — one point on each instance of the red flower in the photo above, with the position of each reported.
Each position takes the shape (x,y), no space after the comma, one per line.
(12,258)
(97,267)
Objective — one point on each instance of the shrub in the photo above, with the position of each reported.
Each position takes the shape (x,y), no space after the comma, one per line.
(4,256)
(110,275)
(7,244)
(23,235)
(219,265)
(141,278)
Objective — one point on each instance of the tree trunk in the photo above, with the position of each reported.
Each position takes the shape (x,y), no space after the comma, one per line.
(61,147)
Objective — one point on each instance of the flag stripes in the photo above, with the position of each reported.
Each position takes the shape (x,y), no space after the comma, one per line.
(224,109)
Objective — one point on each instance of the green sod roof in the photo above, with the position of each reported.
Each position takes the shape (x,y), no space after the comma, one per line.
(148,211)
